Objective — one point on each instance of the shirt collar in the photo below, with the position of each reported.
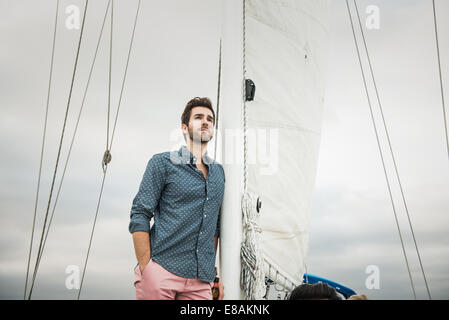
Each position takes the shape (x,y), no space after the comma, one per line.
(184,153)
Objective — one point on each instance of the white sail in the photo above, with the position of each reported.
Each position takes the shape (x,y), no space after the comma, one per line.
(285,57)
(281,44)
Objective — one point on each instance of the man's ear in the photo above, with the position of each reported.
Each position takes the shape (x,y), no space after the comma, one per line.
(185,131)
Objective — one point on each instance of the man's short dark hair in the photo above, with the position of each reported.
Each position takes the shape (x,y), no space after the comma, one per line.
(314,291)
(196,102)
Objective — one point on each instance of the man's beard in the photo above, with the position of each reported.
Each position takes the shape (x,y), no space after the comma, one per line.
(198,136)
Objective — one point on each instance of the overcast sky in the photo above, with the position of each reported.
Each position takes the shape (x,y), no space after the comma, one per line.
(174,58)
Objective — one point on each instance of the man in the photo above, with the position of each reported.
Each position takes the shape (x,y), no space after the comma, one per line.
(183,190)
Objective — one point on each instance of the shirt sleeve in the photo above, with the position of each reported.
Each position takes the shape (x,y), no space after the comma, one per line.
(217,230)
(147,198)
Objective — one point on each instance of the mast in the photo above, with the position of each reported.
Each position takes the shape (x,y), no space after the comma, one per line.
(232,146)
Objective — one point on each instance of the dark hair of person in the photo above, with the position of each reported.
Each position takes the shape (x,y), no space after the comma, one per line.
(314,291)
(196,102)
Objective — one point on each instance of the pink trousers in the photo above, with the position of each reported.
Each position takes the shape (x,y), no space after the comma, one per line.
(157,283)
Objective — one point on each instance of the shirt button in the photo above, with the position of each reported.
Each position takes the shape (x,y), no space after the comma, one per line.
(205,215)
(207,198)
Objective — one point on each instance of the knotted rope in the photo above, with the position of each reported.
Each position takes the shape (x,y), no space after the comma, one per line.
(252,276)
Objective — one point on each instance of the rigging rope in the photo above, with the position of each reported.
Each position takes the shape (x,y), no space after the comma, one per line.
(380,149)
(124,76)
(252,263)
(75,130)
(391,151)
(440,75)
(245,120)
(107,157)
(109,147)
(218,103)
(42,148)
(59,151)
(278,279)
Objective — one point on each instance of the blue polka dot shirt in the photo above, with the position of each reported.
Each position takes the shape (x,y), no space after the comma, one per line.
(186,209)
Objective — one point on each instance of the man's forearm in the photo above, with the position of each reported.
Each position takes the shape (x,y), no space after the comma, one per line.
(142,248)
